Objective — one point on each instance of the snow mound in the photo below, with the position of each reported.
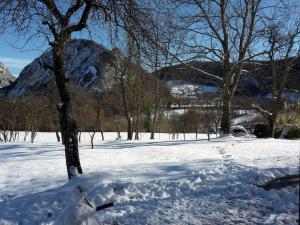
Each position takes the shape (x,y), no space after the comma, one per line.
(79,211)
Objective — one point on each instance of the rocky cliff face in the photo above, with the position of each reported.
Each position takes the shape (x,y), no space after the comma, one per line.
(5,76)
(86,64)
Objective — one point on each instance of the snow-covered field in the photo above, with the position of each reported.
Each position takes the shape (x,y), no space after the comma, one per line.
(152,182)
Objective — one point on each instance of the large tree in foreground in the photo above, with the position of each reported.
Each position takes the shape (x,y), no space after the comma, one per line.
(57,26)
(55,21)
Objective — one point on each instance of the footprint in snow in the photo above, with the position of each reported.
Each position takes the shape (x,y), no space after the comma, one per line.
(222,152)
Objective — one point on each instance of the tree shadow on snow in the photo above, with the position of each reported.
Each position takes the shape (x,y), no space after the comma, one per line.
(226,194)
(135,144)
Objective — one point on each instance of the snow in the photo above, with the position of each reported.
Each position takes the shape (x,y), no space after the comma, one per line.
(179,88)
(174,112)
(78,210)
(245,118)
(239,131)
(5,76)
(150,182)
(92,70)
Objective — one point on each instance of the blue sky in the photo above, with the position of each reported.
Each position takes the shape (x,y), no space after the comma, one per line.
(14,55)
(16,52)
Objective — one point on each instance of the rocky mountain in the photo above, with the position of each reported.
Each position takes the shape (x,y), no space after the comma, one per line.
(5,76)
(86,65)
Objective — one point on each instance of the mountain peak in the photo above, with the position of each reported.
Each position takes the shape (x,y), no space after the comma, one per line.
(6,78)
(86,64)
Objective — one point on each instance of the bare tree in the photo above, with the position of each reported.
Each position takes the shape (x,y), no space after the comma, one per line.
(121,68)
(8,119)
(226,30)
(99,119)
(56,21)
(98,108)
(130,79)
(282,40)
(132,91)
(117,126)
(57,26)
(52,100)
(92,135)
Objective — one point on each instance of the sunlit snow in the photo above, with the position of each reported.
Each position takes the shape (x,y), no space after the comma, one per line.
(150,182)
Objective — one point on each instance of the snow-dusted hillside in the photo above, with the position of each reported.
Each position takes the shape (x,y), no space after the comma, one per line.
(151,182)
(182,89)
(85,63)
(5,76)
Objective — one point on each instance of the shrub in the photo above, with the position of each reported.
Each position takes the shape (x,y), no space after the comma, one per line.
(261,130)
(293,133)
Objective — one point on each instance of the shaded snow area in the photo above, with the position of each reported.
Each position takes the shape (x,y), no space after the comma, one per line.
(150,182)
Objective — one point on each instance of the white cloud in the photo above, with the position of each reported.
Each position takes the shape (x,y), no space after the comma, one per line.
(17,63)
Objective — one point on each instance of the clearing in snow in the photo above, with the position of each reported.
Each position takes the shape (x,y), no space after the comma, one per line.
(150,182)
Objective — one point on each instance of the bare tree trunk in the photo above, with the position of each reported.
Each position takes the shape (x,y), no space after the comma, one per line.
(129,128)
(92,139)
(173,136)
(18,135)
(25,134)
(99,123)
(128,117)
(226,114)
(32,136)
(152,131)
(272,122)
(117,126)
(208,134)
(67,123)
(158,97)
(57,136)
(79,126)
(137,127)
(56,130)
(79,136)
(157,101)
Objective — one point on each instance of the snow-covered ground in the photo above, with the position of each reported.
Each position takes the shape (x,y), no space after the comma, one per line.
(152,182)
(247,118)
